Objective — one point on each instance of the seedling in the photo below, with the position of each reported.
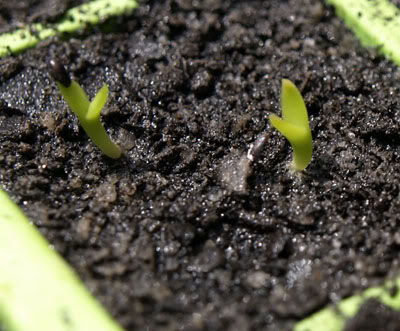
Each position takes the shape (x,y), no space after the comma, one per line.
(374,22)
(75,19)
(87,112)
(294,124)
(38,290)
(333,317)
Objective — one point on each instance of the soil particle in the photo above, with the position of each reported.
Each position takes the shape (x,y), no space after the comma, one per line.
(234,173)
(257,279)
(9,67)
(210,258)
(202,83)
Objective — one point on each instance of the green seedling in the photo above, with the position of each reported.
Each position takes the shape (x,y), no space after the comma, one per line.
(38,290)
(376,23)
(334,317)
(75,19)
(294,124)
(87,112)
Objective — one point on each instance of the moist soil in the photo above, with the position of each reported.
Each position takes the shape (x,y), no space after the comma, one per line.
(185,232)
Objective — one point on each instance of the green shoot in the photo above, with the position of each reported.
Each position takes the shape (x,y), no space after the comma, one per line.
(374,22)
(38,290)
(294,124)
(75,19)
(333,317)
(87,112)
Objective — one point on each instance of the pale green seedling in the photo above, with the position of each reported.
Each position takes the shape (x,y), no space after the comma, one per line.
(333,317)
(38,290)
(75,19)
(376,23)
(87,112)
(294,124)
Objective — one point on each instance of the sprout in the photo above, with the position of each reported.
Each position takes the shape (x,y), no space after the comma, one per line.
(294,124)
(87,112)
(30,268)
(373,22)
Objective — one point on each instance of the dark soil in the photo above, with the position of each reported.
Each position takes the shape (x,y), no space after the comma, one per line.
(184,232)
(373,316)
(13,14)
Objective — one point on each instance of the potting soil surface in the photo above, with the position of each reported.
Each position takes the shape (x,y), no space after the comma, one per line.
(185,232)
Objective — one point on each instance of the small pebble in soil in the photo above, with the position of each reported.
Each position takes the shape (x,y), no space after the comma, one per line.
(106,192)
(202,83)
(257,279)
(210,258)
(234,173)
(83,228)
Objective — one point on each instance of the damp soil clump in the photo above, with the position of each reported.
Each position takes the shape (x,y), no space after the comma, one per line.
(184,231)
